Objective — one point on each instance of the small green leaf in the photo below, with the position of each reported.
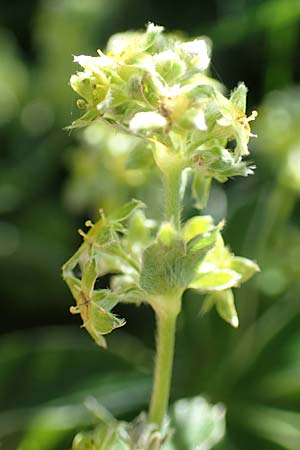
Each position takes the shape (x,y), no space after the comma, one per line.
(197,225)
(201,244)
(105,299)
(88,117)
(239,96)
(101,322)
(207,304)
(89,275)
(81,84)
(220,256)
(245,267)
(74,285)
(215,280)
(225,307)
(197,250)
(170,263)
(126,210)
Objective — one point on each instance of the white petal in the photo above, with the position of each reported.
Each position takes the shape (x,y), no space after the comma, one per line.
(197,49)
(200,122)
(147,121)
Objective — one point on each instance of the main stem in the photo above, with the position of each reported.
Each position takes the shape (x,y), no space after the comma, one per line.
(167,308)
(166,327)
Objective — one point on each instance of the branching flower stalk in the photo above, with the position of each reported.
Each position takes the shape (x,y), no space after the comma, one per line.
(155,86)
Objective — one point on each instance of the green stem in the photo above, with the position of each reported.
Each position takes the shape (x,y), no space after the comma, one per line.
(167,308)
(172,184)
(166,328)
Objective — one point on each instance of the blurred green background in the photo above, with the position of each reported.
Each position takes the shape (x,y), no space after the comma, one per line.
(51,181)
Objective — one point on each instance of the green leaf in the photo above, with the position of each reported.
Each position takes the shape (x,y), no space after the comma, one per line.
(198,249)
(204,240)
(99,234)
(126,210)
(200,189)
(170,263)
(225,307)
(88,117)
(81,84)
(245,267)
(100,322)
(105,299)
(215,280)
(197,225)
(89,275)
(239,97)
(208,304)
(197,424)
(221,258)
(162,267)
(74,284)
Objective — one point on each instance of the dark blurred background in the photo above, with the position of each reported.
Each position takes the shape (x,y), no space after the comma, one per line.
(51,181)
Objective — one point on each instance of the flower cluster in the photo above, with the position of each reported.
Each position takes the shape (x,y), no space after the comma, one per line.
(144,262)
(155,86)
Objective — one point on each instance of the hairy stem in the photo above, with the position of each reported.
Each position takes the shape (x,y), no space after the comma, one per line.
(166,328)
(167,308)
(172,184)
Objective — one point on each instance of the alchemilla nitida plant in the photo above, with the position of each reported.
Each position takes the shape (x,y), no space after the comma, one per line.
(155,86)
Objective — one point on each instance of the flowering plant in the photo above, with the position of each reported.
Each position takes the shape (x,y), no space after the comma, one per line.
(155,86)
